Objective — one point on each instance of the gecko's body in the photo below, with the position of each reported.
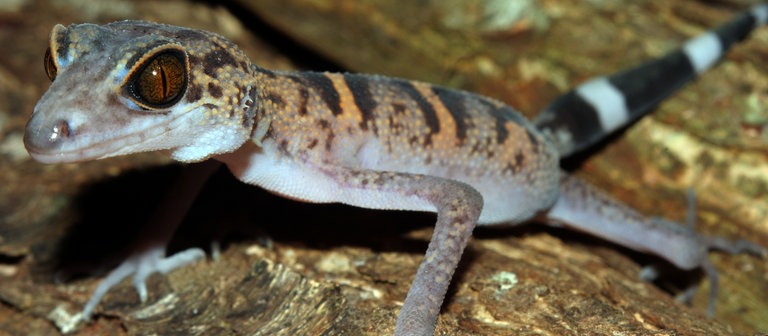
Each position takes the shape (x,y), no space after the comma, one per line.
(368,141)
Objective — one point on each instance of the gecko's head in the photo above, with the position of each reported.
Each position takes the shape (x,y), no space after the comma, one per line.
(134,86)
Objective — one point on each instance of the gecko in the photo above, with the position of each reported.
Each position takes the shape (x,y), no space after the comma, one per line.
(363,140)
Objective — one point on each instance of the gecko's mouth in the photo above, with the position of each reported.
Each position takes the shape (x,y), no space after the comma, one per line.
(58,142)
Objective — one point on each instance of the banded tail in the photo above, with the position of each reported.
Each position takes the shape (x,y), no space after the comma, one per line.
(586,114)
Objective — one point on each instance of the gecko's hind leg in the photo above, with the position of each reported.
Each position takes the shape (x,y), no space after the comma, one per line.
(583,207)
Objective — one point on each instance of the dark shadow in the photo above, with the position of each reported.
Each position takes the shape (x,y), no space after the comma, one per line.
(112,211)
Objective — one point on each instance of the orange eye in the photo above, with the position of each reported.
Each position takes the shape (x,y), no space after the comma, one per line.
(50,66)
(161,81)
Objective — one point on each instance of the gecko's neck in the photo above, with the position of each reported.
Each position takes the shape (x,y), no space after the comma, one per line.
(264,101)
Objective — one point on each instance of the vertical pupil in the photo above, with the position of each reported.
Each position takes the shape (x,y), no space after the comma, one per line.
(164,84)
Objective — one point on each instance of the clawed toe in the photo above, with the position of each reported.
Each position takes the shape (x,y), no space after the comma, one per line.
(141,266)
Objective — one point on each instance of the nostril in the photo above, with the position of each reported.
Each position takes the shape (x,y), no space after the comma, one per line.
(59,131)
(42,135)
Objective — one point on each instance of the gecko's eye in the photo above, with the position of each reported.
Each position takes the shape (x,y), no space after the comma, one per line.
(159,81)
(50,66)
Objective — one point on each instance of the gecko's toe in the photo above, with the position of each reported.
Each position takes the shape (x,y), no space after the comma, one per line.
(141,266)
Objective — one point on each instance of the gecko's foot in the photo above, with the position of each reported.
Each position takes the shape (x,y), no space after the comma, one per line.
(730,247)
(699,256)
(736,246)
(653,272)
(706,243)
(141,265)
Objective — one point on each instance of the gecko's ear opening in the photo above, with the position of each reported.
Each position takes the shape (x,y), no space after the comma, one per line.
(159,79)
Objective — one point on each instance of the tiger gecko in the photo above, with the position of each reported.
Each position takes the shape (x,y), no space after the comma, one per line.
(364,140)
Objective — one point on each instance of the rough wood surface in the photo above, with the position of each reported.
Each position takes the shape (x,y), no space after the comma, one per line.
(295,268)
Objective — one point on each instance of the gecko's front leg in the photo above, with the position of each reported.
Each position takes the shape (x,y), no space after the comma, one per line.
(458,207)
(148,253)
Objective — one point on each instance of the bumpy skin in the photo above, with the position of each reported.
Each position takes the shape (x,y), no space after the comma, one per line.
(367,141)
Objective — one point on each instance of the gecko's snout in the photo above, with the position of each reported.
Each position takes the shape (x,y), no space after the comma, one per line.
(43,137)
